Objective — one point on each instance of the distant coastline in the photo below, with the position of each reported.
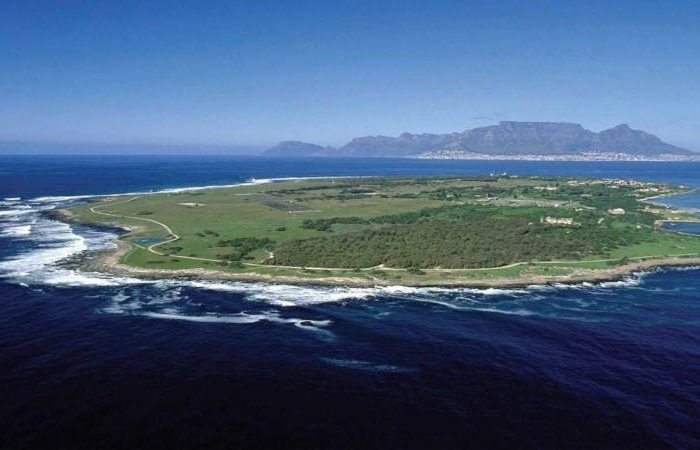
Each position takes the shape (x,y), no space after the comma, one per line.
(603,157)
(517,141)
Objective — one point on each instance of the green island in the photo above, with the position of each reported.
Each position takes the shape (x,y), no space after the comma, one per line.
(415,231)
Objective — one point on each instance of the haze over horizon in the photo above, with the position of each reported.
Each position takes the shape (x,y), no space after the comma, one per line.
(245,76)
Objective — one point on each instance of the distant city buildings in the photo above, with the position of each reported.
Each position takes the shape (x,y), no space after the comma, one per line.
(592,156)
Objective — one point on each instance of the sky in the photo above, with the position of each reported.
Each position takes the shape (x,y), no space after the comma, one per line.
(251,73)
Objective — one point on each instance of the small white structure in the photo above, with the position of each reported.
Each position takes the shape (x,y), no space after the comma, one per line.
(558,220)
(617,212)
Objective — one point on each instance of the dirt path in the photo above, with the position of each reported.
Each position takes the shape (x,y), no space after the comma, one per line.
(173,236)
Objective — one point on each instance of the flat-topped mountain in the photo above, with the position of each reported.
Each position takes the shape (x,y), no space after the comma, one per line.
(524,139)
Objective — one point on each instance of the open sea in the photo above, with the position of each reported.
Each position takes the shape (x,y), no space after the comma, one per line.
(91,361)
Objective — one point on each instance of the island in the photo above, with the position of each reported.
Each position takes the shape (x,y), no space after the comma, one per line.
(490,230)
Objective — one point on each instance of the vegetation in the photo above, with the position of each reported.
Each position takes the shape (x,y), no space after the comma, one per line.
(243,246)
(468,242)
(399,228)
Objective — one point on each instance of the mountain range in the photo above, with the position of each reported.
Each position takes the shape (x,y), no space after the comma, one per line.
(524,139)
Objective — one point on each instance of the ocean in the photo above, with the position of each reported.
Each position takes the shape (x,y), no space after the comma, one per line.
(96,361)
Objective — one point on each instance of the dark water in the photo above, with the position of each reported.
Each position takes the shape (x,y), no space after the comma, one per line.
(683,227)
(88,361)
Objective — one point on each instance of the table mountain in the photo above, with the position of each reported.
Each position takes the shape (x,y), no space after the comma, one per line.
(506,138)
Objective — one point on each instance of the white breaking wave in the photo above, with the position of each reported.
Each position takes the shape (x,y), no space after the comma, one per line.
(15,212)
(207,318)
(52,242)
(237,318)
(291,295)
(251,182)
(168,305)
(279,294)
(67,198)
(56,242)
(75,278)
(287,295)
(625,282)
(19,230)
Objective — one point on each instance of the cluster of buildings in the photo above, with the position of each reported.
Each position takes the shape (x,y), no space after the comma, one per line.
(651,187)
(569,221)
(589,156)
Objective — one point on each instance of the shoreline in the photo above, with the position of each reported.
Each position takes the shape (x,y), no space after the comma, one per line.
(108,262)
(652,201)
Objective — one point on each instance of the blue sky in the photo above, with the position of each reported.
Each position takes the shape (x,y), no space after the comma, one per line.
(256,72)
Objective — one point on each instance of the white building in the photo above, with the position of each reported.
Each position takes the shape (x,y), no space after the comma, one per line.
(617,212)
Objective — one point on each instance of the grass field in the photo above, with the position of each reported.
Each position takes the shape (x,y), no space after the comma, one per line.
(397,229)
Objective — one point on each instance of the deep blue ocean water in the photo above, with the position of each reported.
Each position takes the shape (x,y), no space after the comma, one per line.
(90,361)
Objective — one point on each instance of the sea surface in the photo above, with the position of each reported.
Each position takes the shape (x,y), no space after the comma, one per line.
(93,361)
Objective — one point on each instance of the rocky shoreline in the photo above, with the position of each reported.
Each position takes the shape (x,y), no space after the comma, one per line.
(108,262)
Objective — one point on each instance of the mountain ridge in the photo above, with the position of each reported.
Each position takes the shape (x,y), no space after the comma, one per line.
(507,138)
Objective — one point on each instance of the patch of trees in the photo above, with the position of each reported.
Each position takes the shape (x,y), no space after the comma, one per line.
(478,242)
(242,246)
(246,244)
(402,218)
(596,196)
(327,224)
